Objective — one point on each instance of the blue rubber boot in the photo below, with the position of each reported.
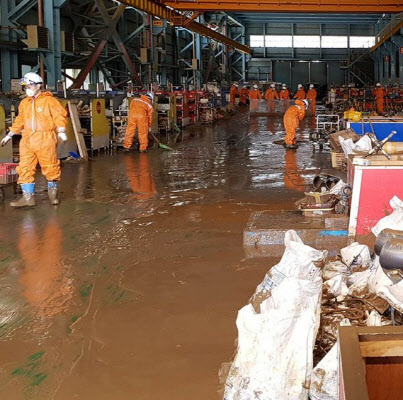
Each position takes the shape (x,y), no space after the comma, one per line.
(28,196)
(53,193)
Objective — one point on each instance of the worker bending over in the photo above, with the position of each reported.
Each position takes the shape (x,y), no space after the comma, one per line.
(284,93)
(300,95)
(312,95)
(292,118)
(140,117)
(379,94)
(233,93)
(41,120)
(243,95)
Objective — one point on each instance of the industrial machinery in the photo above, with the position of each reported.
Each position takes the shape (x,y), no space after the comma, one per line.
(95,125)
(182,106)
(325,125)
(166,109)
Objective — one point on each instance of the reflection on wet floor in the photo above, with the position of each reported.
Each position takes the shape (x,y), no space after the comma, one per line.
(130,288)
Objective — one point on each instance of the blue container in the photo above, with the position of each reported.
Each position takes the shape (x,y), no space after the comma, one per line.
(381,129)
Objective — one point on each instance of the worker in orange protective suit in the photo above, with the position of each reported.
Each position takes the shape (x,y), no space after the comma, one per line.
(243,95)
(42,120)
(233,93)
(271,95)
(254,97)
(292,117)
(284,93)
(255,94)
(312,95)
(140,177)
(300,95)
(379,94)
(140,117)
(285,98)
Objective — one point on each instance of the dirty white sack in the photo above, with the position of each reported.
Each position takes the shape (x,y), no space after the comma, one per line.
(356,254)
(325,376)
(334,268)
(374,319)
(393,294)
(364,144)
(337,188)
(392,221)
(336,287)
(275,342)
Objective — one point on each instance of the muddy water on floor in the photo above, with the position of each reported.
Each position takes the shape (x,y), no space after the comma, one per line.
(130,288)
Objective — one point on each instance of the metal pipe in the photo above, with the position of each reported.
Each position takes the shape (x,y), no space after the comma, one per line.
(391,256)
(384,236)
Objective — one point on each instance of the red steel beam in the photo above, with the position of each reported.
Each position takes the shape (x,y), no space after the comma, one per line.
(91,62)
(293,6)
(159,10)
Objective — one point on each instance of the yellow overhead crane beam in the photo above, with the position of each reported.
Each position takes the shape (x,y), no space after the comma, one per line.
(163,12)
(293,6)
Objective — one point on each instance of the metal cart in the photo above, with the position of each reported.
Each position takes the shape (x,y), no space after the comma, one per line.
(8,176)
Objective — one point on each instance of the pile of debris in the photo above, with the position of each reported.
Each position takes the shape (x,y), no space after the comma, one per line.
(330,195)
(291,322)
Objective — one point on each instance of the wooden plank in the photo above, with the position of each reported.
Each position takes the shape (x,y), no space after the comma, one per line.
(82,149)
(386,348)
(384,377)
(352,366)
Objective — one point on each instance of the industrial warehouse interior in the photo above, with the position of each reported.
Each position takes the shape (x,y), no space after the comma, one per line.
(201,199)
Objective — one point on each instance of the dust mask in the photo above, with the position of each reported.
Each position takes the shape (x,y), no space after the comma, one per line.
(30,92)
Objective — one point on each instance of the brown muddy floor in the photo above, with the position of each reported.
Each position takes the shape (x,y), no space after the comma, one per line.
(130,288)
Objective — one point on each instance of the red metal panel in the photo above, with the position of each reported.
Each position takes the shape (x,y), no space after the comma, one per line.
(378,186)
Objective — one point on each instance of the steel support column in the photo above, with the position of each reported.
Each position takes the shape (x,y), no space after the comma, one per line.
(9,58)
(393,65)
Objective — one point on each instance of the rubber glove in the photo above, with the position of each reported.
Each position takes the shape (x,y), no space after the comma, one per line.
(7,138)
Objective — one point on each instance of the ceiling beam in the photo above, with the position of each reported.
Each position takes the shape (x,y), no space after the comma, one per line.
(160,11)
(311,6)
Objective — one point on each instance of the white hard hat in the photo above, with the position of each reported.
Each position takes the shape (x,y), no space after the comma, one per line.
(299,86)
(273,85)
(306,103)
(378,84)
(31,78)
(284,85)
(255,86)
(150,95)
(311,86)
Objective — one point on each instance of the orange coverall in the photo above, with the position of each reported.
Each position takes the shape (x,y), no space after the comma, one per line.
(255,94)
(285,94)
(292,117)
(243,95)
(140,117)
(379,94)
(233,93)
(312,95)
(38,120)
(300,95)
(271,94)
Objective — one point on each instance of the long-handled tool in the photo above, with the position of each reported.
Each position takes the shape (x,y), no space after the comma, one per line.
(163,146)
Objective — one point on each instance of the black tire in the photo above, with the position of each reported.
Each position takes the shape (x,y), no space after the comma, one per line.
(2,195)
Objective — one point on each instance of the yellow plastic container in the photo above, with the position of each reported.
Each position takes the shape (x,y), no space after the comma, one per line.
(354,116)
